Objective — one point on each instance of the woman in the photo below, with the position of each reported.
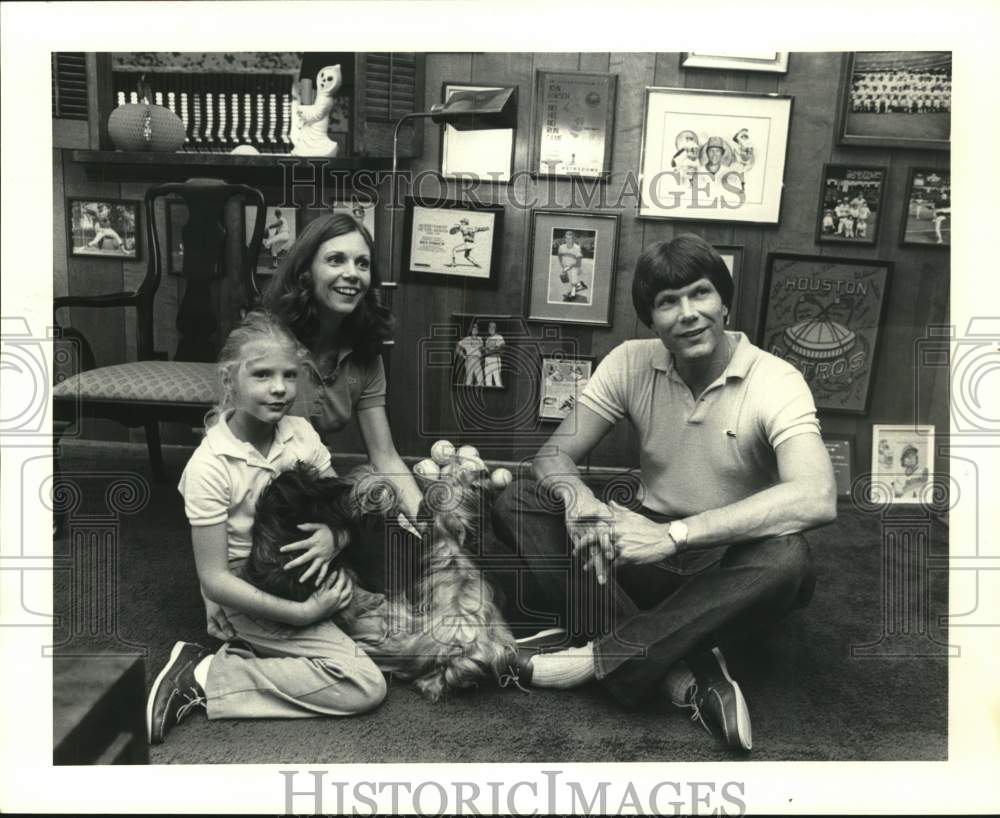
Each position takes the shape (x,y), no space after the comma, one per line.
(326,293)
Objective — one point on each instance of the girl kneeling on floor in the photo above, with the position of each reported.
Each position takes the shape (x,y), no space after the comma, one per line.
(294,661)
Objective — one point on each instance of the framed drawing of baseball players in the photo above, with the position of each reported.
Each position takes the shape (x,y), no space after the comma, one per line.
(572,266)
(713,155)
(445,239)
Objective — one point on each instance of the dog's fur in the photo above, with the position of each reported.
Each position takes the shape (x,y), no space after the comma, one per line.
(450,634)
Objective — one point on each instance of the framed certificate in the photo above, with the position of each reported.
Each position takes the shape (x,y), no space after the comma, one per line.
(574,122)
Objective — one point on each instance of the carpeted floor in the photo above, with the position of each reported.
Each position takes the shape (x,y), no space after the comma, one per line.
(809,699)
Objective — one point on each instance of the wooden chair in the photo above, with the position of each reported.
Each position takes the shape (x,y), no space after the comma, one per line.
(152,388)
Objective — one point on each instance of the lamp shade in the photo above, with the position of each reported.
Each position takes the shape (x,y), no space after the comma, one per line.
(478,110)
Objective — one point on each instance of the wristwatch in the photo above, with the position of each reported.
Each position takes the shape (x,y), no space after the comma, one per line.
(678,532)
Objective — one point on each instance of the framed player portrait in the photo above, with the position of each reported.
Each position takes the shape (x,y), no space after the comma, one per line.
(486,155)
(177,219)
(103,228)
(772,62)
(927,216)
(488,352)
(896,99)
(851,201)
(902,464)
(572,261)
(445,240)
(713,155)
(280,230)
(561,380)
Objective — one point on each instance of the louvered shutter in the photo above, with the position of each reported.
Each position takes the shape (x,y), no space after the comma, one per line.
(389,85)
(69,85)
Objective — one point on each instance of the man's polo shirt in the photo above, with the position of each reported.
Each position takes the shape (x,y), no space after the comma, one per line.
(225,476)
(711,450)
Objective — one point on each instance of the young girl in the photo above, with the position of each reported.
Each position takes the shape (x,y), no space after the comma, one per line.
(295,662)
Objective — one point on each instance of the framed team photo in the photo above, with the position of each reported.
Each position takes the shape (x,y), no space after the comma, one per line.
(902,464)
(571,266)
(927,217)
(280,230)
(451,241)
(713,155)
(824,315)
(896,99)
(103,228)
(486,155)
(773,62)
(850,204)
(561,381)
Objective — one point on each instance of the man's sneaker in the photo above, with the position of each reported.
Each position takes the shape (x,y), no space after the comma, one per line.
(547,641)
(716,698)
(175,693)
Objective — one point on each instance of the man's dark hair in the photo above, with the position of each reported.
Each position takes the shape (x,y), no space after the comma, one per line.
(670,265)
(293,497)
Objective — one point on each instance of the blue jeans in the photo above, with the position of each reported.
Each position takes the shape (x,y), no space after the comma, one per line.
(648,617)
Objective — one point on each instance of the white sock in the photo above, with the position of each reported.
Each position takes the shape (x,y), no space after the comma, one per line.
(201,671)
(678,682)
(564,668)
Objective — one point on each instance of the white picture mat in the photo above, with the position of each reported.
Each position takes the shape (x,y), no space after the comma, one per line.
(486,154)
(771,61)
(432,242)
(891,482)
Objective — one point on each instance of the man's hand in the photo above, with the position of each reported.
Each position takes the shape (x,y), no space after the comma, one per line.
(321,547)
(216,622)
(332,596)
(638,540)
(589,524)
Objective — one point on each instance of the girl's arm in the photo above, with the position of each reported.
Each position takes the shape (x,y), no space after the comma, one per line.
(384,457)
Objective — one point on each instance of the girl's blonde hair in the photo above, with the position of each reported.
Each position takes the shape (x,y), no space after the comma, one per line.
(259,325)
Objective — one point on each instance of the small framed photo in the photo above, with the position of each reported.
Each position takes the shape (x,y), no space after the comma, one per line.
(824,315)
(451,241)
(177,219)
(850,204)
(902,464)
(280,230)
(572,266)
(574,124)
(841,451)
(561,380)
(486,155)
(713,155)
(732,255)
(486,353)
(774,62)
(927,218)
(103,228)
(896,99)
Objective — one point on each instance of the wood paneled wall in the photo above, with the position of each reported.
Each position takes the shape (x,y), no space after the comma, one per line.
(419,411)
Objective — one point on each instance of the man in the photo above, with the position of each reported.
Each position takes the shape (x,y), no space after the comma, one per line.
(491,363)
(467,244)
(733,468)
(470,349)
(571,263)
(278,237)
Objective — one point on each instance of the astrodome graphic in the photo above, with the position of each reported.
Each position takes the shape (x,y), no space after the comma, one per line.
(820,339)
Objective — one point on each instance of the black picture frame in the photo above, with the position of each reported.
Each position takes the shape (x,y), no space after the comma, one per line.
(825,316)
(735,252)
(550,408)
(176,219)
(571,109)
(929,130)
(84,215)
(915,209)
(273,248)
(852,175)
(842,449)
(492,154)
(425,223)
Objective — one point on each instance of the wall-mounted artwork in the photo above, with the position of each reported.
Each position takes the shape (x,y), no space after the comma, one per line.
(561,380)
(280,230)
(451,241)
(824,316)
(850,204)
(927,218)
(103,228)
(902,464)
(487,155)
(773,62)
(177,218)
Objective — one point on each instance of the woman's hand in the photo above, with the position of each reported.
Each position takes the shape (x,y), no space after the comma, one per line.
(589,524)
(216,622)
(639,540)
(332,596)
(321,547)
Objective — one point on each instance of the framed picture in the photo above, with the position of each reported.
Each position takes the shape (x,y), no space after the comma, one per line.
(850,204)
(732,255)
(824,316)
(896,99)
(574,124)
(902,463)
(486,354)
(562,379)
(362,209)
(927,218)
(103,228)
(713,155)
(449,240)
(177,219)
(841,451)
(572,266)
(774,62)
(280,230)
(487,155)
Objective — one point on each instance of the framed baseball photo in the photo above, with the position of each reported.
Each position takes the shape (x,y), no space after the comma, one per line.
(280,230)
(896,99)
(572,266)
(573,124)
(103,228)
(713,155)
(561,381)
(902,464)
(487,351)
(824,316)
(486,155)
(772,62)
(451,241)
(927,218)
(850,204)
(177,219)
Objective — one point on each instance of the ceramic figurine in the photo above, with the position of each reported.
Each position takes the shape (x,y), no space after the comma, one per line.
(310,122)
